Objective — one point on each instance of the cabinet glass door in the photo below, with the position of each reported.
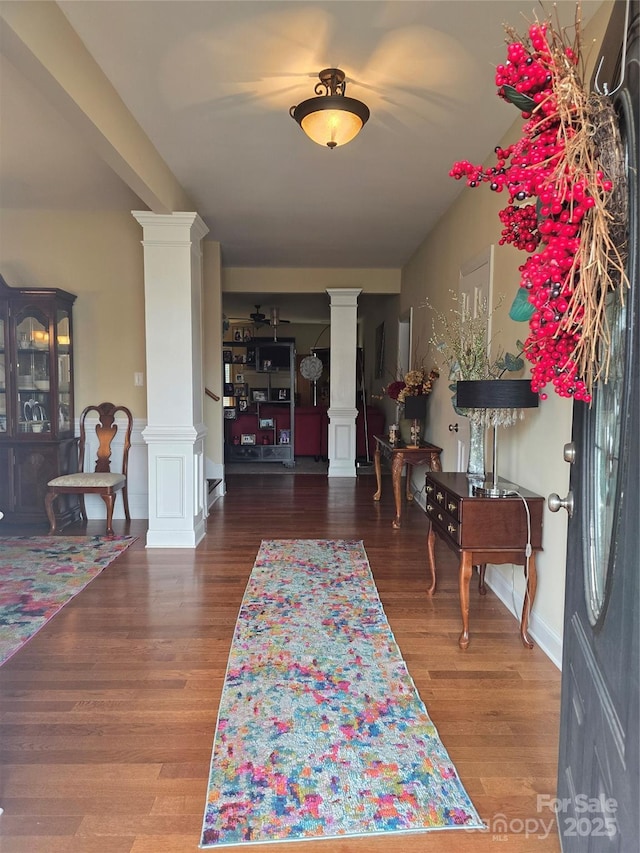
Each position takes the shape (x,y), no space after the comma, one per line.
(3,376)
(63,342)
(33,381)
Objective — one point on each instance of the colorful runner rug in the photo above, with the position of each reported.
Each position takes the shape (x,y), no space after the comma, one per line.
(321,732)
(40,574)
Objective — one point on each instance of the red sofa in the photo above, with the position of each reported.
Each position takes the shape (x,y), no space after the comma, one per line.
(311,428)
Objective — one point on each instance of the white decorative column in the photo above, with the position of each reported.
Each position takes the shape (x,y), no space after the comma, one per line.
(342,379)
(175,429)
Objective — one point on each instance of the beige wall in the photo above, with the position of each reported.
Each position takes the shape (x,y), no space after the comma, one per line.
(293,280)
(98,257)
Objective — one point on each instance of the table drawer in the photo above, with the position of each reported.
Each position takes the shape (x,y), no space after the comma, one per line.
(439,505)
(443,497)
(470,521)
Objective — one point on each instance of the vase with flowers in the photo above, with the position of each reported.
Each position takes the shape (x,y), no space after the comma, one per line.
(411,393)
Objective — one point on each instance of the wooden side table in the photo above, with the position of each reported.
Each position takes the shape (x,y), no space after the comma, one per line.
(483,530)
(399,456)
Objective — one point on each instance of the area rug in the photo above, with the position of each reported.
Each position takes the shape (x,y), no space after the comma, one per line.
(40,574)
(321,732)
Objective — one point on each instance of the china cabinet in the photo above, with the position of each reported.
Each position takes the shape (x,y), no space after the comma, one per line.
(37,441)
(259,400)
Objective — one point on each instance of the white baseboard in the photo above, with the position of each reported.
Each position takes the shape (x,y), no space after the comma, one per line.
(175,538)
(547,639)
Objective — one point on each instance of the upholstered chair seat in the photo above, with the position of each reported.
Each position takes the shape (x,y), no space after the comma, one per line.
(101,481)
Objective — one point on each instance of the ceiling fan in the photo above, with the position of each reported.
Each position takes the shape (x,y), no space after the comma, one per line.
(273,319)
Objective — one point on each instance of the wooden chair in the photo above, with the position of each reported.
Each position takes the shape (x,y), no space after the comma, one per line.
(101,481)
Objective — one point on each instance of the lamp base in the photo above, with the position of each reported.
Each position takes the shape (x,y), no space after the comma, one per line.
(489,489)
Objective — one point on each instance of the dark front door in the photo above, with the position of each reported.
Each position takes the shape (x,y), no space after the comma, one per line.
(598,796)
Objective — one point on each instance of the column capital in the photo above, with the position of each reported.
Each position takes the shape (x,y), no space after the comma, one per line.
(166,226)
(345,297)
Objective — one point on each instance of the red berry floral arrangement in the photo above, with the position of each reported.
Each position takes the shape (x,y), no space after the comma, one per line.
(566,207)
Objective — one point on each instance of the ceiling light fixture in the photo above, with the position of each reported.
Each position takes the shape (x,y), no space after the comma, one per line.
(331,119)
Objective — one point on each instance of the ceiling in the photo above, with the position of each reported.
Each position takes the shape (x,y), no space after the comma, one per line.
(211,83)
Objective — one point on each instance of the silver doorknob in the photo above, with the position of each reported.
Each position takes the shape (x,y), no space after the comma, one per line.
(569,452)
(453,427)
(555,502)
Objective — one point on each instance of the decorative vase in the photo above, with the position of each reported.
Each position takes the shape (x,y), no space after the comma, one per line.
(475,468)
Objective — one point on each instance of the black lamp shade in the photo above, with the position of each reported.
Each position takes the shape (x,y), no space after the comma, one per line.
(415,407)
(495,394)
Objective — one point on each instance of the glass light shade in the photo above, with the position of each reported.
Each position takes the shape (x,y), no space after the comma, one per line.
(331,120)
(331,127)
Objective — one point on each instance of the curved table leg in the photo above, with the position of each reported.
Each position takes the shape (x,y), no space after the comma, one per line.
(482,568)
(435,463)
(464,576)
(431,559)
(532,582)
(376,465)
(408,491)
(397,464)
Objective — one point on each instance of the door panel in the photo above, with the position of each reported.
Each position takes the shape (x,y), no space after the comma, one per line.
(598,788)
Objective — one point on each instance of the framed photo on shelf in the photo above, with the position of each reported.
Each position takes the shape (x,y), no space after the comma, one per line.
(284,394)
(229,414)
(267,423)
(243,404)
(240,377)
(227,355)
(284,436)
(241,389)
(228,389)
(259,395)
(247,438)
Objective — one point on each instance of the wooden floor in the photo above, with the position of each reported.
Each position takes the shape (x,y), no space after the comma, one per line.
(108,714)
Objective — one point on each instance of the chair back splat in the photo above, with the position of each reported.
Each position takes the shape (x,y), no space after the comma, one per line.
(101,481)
(106,430)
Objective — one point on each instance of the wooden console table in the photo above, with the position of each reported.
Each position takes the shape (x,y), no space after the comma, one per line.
(483,530)
(400,455)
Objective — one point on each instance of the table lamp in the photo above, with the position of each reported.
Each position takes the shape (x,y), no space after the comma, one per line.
(485,394)
(415,409)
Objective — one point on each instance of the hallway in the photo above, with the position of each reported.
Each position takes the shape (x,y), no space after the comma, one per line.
(108,714)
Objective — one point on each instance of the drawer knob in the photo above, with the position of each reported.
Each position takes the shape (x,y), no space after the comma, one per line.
(439,497)
(451,528)
(452,507)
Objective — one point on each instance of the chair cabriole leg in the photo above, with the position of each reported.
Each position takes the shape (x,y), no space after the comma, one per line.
(48,505)
(109,501)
